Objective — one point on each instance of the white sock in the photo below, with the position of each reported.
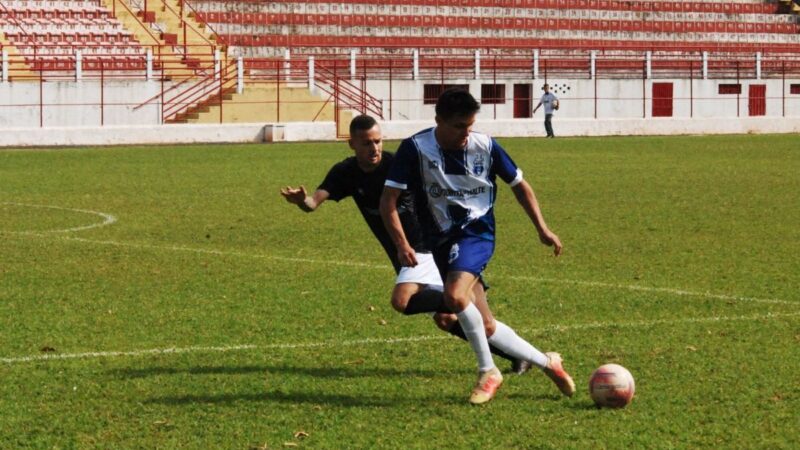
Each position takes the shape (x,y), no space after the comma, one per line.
(472,324)
(508,341)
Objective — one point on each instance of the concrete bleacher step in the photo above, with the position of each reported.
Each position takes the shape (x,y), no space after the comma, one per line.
(193,113)
(176,63)
(258,103)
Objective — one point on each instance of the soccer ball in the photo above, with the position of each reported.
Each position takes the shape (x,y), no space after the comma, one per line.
(611,386)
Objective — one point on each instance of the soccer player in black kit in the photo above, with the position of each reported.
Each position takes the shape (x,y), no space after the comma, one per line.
(417,289)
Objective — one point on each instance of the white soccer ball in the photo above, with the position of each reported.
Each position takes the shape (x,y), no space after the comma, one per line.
(612,386)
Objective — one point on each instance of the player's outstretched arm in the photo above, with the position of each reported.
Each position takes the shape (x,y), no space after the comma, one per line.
(537,107)
(299,197)
(527,199)
(391,220)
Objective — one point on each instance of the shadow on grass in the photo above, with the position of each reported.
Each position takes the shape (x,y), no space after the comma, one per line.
(317,372)
(536,397)
(339,400)
(583,405)
(358,400)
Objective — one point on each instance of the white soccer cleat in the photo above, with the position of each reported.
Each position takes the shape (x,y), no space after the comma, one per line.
(555,371)
(486,387)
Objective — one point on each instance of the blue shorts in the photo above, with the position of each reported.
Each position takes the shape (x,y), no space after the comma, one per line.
(463,254)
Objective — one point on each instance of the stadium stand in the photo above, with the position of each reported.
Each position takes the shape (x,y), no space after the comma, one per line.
(267,29)
(48,34)
(110,35)
(333,53)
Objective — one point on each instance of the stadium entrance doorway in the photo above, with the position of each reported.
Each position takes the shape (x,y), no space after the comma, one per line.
(662,100)
(522,101)
(758,100)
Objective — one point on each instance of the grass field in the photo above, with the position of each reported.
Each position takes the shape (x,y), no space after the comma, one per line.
(209,313)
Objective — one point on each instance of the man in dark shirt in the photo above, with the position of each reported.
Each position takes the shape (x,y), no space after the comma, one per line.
(417,289)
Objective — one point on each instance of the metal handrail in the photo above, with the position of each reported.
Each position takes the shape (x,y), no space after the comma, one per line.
(356,96)
(213,31)
(202,83)
(186,104)
(185,23)
(114,2)
(171,88)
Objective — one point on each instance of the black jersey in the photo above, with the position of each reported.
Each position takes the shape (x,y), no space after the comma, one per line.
(346,179)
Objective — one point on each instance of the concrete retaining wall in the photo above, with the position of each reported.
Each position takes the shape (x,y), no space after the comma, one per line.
(602,98)
(321,131)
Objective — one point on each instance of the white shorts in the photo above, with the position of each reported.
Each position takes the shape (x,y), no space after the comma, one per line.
(425,272)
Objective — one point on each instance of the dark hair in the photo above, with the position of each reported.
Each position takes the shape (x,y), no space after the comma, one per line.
(456,102)
(361,123)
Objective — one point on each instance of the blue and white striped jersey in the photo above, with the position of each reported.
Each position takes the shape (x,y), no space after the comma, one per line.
(454,191)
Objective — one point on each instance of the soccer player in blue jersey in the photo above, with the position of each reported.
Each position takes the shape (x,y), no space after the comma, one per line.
(452,172)
(362,176)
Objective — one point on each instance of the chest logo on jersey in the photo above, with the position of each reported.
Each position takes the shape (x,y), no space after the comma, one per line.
(433,165)
(435,190)
(478,165)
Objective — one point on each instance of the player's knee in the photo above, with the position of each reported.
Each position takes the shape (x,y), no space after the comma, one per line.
(490,326)
(456,302)
(444,321)
(399,302)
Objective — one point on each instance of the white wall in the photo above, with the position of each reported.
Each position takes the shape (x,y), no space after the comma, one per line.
(318,131)
(77,104)
(132,134)
(600,98)
(697,109)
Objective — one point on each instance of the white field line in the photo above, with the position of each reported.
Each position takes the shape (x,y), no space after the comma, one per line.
(374,341)
(635,287)
(596,284)
(108,219)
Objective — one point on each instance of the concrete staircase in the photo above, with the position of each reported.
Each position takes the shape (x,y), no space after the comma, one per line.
(187,48)
(258,104)
(180,51)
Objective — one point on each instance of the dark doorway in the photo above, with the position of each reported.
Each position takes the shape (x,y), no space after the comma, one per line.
(522,101)
(662,99)
(758,100)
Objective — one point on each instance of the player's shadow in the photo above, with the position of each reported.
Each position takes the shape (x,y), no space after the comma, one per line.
(583,405)
(315,372)
(522,396)
(338,400)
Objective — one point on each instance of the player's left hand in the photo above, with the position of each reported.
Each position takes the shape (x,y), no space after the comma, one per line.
(294,195)
(551,239)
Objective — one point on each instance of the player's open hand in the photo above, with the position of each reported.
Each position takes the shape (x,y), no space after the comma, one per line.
(549,238)
(407,256)
(294,195)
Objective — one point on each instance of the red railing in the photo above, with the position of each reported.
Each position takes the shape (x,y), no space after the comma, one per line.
(183,89)
(214,34)
(191,91)
(346,94)
(172,106)
(141,24)
(59,61)
(56,60)
(184,25)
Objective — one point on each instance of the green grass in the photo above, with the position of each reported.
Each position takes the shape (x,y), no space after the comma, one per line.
(680,263)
